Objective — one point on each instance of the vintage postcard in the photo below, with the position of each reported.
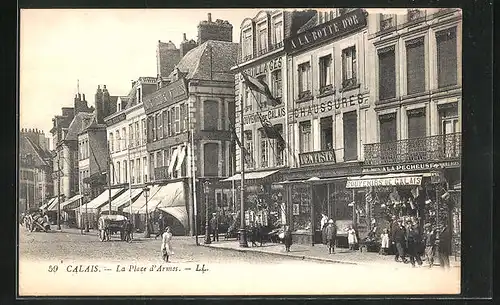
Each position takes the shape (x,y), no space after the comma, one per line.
(240,152)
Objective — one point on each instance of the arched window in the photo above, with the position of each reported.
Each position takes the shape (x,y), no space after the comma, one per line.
(211,115)
(211,159)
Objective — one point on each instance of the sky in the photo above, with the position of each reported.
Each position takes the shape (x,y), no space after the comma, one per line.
(96,47)
(112,47)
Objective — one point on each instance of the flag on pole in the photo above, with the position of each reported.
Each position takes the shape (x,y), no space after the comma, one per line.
(260,86)
(272,132)
(246,154)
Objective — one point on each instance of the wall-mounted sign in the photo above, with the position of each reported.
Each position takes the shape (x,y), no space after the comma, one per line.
(389,181)
(270,66)
(116,119)
(411,167)
(334,28)
(269,115)
(328,105)
(174,92)
(317,157)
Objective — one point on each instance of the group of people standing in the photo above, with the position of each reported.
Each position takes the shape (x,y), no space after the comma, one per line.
(410,244)
(329,234)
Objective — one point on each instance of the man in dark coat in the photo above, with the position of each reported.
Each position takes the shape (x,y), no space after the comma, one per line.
(413,242)
(331,236)
(399,240)
(430,244)
(214,227)
(161,225)
(444,247)
(287,238)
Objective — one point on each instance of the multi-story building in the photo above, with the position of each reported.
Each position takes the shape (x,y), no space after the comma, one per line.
(188,125)
(65,154)
(262,55)
(35,180)
(417,90)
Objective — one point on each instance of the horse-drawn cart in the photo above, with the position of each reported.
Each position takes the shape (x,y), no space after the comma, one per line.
(35,222)
(112,224)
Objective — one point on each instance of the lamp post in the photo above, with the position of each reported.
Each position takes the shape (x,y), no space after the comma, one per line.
(146,193)
(206,189)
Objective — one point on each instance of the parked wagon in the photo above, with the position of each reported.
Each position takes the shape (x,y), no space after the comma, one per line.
(37,223)
(109,225)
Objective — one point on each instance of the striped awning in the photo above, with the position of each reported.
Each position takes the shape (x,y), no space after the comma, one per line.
(123,200)
(141,200)
(102,199)
(71,203)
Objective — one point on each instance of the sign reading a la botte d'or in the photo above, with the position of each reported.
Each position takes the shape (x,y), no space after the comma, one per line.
(317,157)
(334,28)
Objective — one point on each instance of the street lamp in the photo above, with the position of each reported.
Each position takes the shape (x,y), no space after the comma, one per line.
(206,189)
(146,193)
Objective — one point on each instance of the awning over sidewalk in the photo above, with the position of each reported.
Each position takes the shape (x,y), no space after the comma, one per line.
(170,195)
(46,205)
(102,199)
(123,200)
(180,213)
(52,206)
(141,200)
(384,180)
(251,175)
(71,203)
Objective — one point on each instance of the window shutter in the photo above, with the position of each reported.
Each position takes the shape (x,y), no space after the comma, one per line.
(388,128)
(416,123)
(447,57)
(350,136)
(387,73)
(415,66)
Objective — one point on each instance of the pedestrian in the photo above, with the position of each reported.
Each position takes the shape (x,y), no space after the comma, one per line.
(430,244)
(331,236)
(214,227)
(324,223)
(413,242)
(161,225)
(384,242)
(287,238)
(351,238)
(444,247)
(399,241)
(166,244)
(393,228)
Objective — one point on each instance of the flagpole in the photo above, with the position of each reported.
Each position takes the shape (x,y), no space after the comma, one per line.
(243,235)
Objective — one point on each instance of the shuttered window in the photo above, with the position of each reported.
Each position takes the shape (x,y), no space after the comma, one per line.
(166,125)
(211,159)
(210,115)
(150,129)
(415,66)
(350,136)
(447,57)
(416,123)
(387,73)
(388,128)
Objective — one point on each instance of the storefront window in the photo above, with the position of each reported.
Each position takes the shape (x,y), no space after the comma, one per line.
(301,208)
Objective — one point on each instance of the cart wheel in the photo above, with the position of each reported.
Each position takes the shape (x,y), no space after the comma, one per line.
(101,235)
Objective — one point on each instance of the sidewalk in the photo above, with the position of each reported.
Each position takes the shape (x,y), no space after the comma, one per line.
(318,252)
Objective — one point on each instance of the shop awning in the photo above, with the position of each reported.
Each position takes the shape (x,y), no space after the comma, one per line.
(71,203)
(251,175)
(123,200)
(102,199)
(384,180)
(180,213)
(169,195)
(180,158)
(141,200)
(172,161)
(52,206)
(45,205)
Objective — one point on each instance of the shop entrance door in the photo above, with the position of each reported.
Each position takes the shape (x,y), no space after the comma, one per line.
(320,201)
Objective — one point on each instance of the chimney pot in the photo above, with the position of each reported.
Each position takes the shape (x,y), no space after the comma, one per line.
(209,17)
(83,95)
(184,36)
(104,86)
(98,86)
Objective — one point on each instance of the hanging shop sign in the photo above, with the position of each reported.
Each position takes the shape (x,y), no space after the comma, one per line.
(335,28)
(411,167)
(323,106)
(383,181)
(317,157)
(269,66)
(274,113)
(116,119)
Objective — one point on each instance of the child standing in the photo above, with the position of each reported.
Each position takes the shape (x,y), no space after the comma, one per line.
(385,242)
(287,238)
(351,238)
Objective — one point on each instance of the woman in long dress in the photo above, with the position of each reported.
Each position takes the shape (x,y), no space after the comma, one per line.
(166,244)
(351,238)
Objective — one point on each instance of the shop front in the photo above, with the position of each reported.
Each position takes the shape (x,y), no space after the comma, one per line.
(312,192)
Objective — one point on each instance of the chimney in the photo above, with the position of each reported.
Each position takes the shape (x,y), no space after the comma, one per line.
(209,17)
(184,37)
(83,96)
(221,30)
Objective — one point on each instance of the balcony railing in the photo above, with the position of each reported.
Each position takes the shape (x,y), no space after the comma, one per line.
(434,148)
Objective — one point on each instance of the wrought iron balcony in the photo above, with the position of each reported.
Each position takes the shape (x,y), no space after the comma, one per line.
(434,148)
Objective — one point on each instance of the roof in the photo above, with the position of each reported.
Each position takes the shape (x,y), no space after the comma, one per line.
(42,154)
(310,24)
(80,122)
(211,60)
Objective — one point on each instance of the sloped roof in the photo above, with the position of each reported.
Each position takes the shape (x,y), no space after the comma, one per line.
(310,24)
(80,122)
(41,154)
(210,60)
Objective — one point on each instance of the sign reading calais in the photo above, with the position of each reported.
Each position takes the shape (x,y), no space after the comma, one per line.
(265,115)
(383,181)
(335,28)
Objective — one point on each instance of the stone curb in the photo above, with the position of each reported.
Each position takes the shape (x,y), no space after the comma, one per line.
(311,258)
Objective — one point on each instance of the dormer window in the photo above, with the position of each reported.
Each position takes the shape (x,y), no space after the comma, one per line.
(262,37)
(247,50)
(277,36)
